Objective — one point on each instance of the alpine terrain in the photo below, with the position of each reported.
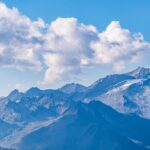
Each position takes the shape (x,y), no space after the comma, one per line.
(111,114)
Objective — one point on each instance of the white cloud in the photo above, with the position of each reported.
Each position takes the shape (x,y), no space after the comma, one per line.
(18,39)
(118,46)
(72,46)
(65,47)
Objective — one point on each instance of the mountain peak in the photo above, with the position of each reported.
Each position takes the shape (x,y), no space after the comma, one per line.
(140,72)
(33,91)
(15,95)
(14,92)
(73,87)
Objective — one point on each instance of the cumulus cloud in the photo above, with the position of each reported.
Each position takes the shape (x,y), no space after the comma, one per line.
(65,47)
(71,46)
(19,39)
(117,46)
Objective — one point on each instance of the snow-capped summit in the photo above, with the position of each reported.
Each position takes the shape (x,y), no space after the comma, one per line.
(126,93)
(140,72)
(105,84)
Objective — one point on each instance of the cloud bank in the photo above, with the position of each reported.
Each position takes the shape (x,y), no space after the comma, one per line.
(64,47)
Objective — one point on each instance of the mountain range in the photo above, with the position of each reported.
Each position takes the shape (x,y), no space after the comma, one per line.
(113,113)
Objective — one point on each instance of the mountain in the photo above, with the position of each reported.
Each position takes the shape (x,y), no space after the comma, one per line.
(5,149)
(140,72)
(73,88)
(90,128)
(15,95)
(21,107)
(126,93)
(78,117)
(33,92)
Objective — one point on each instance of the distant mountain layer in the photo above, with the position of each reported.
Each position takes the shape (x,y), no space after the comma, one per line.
(5,148)
(112,113)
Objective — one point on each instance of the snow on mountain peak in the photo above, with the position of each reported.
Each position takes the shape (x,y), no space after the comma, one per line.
(140,72)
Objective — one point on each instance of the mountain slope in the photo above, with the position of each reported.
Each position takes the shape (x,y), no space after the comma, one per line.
(140,72)
(126,93)
(92,126)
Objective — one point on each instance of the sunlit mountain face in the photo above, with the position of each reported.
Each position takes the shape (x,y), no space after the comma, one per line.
(112,113)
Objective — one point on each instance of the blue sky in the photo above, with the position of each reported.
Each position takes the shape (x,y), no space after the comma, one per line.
(133,15)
